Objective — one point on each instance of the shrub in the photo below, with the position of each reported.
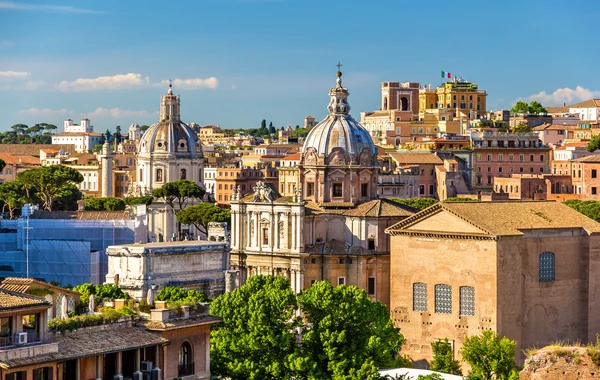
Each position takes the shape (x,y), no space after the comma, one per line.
(101,292)
(131,201)
(107,315)
(418,203)
(104,204)
(175,294)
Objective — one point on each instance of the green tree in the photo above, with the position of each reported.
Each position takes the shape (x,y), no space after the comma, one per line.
(443,358)
(2,164)
(203,213)
(431,376)
(299,132)
(490,357)
(97,148)
(104,204)
(594,144)
(177,195)
(521,128)
(348,335)
(50,182)
(100,292)
(416,203)
(178,294)
(144,127)
(145,199)
(19,128)
(66,199)
(256,335)
(591,209)
(520,107)
(536,108)
(13,195)
(50,127)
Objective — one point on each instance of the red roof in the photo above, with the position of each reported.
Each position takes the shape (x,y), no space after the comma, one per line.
(292,157)
(13,159)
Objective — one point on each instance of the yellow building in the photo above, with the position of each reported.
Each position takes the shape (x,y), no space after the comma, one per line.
(457,96)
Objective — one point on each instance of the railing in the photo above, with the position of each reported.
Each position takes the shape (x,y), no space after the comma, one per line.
(185,369)
(32,337)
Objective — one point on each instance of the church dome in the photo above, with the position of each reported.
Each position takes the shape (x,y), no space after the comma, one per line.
(170,134)
(339,131)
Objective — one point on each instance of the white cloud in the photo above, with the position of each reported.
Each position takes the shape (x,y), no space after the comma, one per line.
(116,113)
(9,5)
(119,81)
(14,74)
(192,83)
(43,112)
(566,95)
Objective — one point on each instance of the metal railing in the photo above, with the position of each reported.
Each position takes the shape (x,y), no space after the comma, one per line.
(32,337)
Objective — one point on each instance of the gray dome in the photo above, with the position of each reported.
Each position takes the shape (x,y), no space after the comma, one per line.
(339,129)
(170,137)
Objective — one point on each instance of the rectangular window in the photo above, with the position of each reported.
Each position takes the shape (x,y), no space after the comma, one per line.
(489,157)
(500,170)
(371,244)
(594,173)
(521,170)
(364,189)
(337,190)
(265,235)
(313,261)
(341,261)
(419,296)
(310,191)
(541,158)
(531,157)
(421,189)
(467,301)
(530,170)
(443,299)
(430,189)
(521,157)
(546,266)
(510,157)
(371,287)
(593,190)
(341,280)
(500,157)
(44,373)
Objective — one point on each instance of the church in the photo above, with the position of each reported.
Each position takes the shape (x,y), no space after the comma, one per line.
(168,151)
(325,222)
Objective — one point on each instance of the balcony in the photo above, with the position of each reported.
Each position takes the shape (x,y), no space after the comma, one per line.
(8,341)
(185,369)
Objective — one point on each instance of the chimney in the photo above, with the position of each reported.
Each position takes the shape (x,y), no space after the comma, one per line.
(159,315)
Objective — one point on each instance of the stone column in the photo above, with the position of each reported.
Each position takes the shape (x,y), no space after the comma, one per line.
(119,366)
(293,281)
(156,370)
(137,375)
(78,369)
(293,247)
(286,232)
(106,158)
(275,236)
(98,375)
(165,361)
(257,229)
(248,230)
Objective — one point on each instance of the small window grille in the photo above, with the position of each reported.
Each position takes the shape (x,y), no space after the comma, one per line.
(443,299)
(467,301)
(547,266)
(419,296)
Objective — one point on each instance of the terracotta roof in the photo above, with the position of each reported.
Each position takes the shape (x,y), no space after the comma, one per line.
(81,215)
(292,157)
(34,149)
(507,217)
(381,208)
(95,134)
(22,285)
(591,103)
(416,158)
(50,150)
(10,300)
(595,158)
(180,323)
(557,109)
(92,341)
(13,159)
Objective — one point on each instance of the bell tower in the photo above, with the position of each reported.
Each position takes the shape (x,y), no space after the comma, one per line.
(169,106)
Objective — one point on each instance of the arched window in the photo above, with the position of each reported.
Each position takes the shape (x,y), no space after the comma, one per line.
(546,266)
(182,174)
(467,301)
(159,175)
(404,104)
(443,299)
(186,362)
(419,296)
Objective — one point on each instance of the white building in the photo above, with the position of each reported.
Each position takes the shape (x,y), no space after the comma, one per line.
(588,110)
(81,135)
(210,180)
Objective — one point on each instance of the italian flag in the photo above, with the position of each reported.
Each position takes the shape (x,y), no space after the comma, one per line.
(446,74)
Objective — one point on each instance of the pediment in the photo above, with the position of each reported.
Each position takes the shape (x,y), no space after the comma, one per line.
(444,222)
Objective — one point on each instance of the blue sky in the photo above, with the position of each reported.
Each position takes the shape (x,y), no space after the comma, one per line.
(235,62)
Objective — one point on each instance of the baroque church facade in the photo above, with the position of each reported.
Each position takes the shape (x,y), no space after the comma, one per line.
(330,224)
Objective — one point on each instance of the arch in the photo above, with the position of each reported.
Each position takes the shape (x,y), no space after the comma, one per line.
(159,175)
(404,103)
(186,360)
(546,266)
(182,174)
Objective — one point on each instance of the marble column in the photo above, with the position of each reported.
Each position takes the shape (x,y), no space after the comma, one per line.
(257,228)
(276,240)
(248,229)
(286,231)
(293,247)
(119,366)
(137,375)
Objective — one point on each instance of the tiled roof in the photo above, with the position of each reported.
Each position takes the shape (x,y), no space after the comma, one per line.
(381,208)
(92,341)
(557,109)
(590,159)
(181,323)
(416,158)
(591,103)
(22,285)
(34,149)
(292,157)
(10,300)
(507,217)
(95,134)
(82,215)
(14,159)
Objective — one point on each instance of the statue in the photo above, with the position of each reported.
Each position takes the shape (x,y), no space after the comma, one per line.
(92,304)
(298,194)
(107,136)
(263,193)
(234,193)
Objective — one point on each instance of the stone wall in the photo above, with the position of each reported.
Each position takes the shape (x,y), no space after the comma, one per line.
(566,363)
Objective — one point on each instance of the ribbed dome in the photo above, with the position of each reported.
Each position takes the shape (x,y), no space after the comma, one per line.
(170,137)
(339,129)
